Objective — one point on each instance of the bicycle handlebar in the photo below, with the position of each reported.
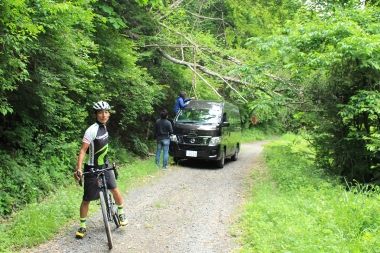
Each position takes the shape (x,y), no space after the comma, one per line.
(98,171)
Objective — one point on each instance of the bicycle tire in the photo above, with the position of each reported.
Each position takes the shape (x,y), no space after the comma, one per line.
(115,217)
(105,219)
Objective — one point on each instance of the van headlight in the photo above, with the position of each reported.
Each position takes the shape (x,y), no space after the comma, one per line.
(173,138)
(215,141)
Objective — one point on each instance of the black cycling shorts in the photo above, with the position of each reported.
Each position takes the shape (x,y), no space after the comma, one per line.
(91,189)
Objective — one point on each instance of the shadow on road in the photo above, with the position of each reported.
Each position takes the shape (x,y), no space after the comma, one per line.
(201,164)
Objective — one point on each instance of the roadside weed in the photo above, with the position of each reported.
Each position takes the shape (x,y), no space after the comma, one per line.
(298,209)
(160,205)
(256,134)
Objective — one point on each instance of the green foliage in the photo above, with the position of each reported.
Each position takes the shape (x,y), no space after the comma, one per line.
(55,46)
(56,60)
(140,147)
(296,208)
(258,18)
(25,182)
(360,116)
(17,30)
(323,59)
(118,153)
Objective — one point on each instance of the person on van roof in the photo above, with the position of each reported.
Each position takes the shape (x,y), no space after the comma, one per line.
(181,102)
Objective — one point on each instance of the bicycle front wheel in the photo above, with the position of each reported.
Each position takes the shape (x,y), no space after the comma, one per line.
(113,209)
(105,219)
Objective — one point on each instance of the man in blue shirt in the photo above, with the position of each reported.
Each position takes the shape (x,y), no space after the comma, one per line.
(181,102)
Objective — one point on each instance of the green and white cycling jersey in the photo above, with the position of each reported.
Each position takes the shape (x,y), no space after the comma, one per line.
(97,136)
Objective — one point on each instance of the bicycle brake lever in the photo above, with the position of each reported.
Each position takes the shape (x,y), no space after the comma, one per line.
(115,170)
(80,178)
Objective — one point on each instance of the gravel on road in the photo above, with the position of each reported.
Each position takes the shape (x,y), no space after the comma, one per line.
(186,208)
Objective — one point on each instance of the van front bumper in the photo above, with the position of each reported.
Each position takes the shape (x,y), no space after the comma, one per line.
(189,151)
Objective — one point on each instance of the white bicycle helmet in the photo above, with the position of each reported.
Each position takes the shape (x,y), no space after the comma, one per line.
(101,105)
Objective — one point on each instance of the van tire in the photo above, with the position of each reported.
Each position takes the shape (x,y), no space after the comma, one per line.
(236,155)
(220,163)
(176,160)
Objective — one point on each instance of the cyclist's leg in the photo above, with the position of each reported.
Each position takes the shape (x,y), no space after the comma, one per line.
(119,202)
(158,152)
(117,196)
(166,144)
(91,192)
(83,215)
(111,184)
(84,206)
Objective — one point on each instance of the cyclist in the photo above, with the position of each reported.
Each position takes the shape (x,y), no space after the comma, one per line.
(94,150)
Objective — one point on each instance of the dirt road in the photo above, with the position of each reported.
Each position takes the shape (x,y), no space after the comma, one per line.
(188,208)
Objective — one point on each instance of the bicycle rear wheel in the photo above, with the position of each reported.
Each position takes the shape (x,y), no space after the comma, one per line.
(105,219)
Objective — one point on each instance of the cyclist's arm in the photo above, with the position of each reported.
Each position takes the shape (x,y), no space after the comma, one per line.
(81,156)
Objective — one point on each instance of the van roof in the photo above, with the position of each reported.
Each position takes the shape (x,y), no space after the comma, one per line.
(206,104)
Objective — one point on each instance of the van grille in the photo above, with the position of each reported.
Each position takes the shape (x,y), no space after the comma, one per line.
(190,147)
(190,140)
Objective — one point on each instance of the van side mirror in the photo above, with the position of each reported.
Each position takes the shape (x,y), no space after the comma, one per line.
(224,118)
(226,124)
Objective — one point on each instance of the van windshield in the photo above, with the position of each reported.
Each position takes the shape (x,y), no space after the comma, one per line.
(211,115)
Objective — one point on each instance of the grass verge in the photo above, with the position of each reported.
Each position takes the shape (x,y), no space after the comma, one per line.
(39,222)
(256,134)
(295,208)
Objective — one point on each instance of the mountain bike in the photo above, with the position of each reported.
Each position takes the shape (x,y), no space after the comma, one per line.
(107,203)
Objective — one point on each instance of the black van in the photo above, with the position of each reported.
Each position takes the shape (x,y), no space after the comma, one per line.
(207,130)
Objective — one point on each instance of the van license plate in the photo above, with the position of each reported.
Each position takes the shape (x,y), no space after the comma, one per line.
(191,153)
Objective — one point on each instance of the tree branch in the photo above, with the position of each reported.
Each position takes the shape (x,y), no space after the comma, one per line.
(225,79)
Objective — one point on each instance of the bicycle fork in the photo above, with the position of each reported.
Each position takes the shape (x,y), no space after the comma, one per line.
(106,194)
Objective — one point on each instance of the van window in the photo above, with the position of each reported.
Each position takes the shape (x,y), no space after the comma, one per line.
(202,116)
